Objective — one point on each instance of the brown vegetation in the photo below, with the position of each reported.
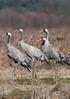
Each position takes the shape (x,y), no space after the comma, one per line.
(59,37)
(31,19)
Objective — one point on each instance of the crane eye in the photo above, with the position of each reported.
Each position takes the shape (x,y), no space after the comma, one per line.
(18,28)
(44,30)
(6,33)
(41,38)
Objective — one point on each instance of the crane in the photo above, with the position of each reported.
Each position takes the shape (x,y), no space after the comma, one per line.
(32,51)
(15,54)
(51,51)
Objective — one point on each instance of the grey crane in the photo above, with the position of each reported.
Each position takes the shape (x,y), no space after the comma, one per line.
(15,54)
(51,51)
(32,51)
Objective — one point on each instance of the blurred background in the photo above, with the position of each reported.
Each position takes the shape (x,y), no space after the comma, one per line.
(34,13)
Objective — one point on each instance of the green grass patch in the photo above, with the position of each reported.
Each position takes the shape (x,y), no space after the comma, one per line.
(24,81)
(28,81)
(65,80)
(35,82)
(48,80)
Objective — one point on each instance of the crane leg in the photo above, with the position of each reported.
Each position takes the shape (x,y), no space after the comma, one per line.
(55,70)
(14,72)
(33,69)
(21,71)
(10,62)
(56,73)
(52,69)
(12,65)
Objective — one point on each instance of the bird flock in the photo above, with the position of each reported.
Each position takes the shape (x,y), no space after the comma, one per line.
(46,53)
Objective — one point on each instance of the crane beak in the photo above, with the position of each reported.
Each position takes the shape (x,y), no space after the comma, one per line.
(19,29)
(38,41)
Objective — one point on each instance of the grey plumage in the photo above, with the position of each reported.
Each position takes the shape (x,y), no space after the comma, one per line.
(30,50)
(65,58)
(52,52)
(15,54)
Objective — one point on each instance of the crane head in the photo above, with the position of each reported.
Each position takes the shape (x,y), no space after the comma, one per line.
(42,40)
(8,34)
(46,32)
(19,29)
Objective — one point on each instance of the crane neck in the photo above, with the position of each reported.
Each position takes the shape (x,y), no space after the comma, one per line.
(20,38)
(47,35)
(47,38)
(47,42)
(9,40)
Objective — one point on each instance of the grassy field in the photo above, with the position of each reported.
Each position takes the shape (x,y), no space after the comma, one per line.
(22,86)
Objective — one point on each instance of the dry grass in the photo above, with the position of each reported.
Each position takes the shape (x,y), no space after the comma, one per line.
(59,37)
(60,91)
(45,75)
